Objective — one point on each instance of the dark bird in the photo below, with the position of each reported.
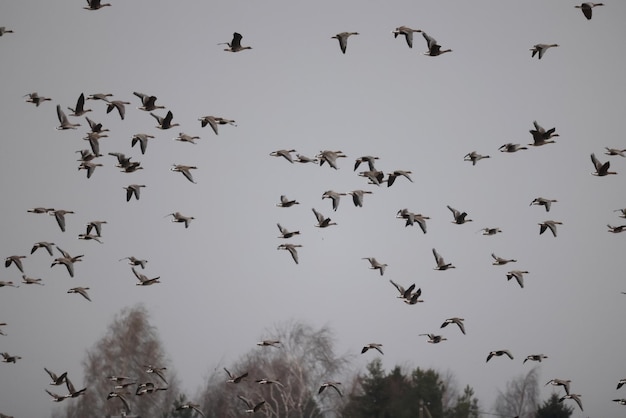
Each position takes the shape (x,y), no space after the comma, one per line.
(343,39)
(499,353)
(235,44)
(330,384)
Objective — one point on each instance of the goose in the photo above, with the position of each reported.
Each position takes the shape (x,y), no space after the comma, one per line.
(89,166)
(434,339)
(119,105)
(540,49)
(459,217)
(286,154)
(86,155)
(42,244)
(147,387)
(285,233)
(122,160)
(59,215)
(7,284)
(334,196)
(235,44)
(286,203)
(252,407)
(541,136)
(166,122)
(601,169)
(73,393)
(31,280)
(133,261)
(147,102)
(234,378)
(95,127)
(304,159)
(157,371)
(575,397)
(620,401)
(118,379)
(535,357)
(292,250)
(99,96)
(56,380)
(434,49)
(269,343)
(192,406)
(4,30)
(499,353)
(542,201)
(214,121)
(519,276)
(407,32)
(411,218)
(366,159)
(133,189)
(391,177)
(549,224)
(7,358)
(65,123)
(40,210)
(474,157)
(183,137)
(441,264)
(142,139)
(510,147)
(266,381)
(178,217)
(616,229)
(615,151)
(405,294)
(68,262)
(330,157)
(375,265)
(185,170)
(94,141)
(343,39)
(120,396)
(95,5)
(490,231)
(374,176)
(81,291)
(89,237)
(620,383)
(455,320)
(333,385)
(560,382)
(144,281)
(499,261)
(375,346)
(97,226)
(33,97)
(357,196)
(56,397)
(16,260)
(79,110)
(586,8)
(2,324)
(322,221)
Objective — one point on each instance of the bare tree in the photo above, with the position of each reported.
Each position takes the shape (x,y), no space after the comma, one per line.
(521,397)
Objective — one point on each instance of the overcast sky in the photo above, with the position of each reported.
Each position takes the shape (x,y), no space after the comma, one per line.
(223,284)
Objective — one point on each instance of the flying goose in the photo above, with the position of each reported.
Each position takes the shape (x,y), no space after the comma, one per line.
(375,265)
(5,283)
(185,170)
(285,233)
(16,260)
(56,397)
(33,98)
(330,384)
(192,406)
(474,157)
(574,397)
(616,229)
(133,189)
(549,224)
(519,276)
(95,127)
(434,49)
(73,393)
(86,155)
(31,280)
(357,196)
(266,381)
(322,221)
(147,102)
(601,169)
(391,177)
(67,260)
(286,154)
(120,396)
(89,166)
(407,32)
(286,203)
(144,281)
(334,196)
(81,291)
(374,176)
(40,210)
(615,151)
(375,346)
(143,141)
(540,49)
(42,244)
(490,231)
(59,215)
(166,122)
(96,226)
(133,261)
(620,401)
(510,147)
(499,353)
(95,5)
(330,157)
(157,371)
(434,339)
(234,378)
(94,141)
(343,39)
(99,96)
(560,382)
(79,110)
(119,105)
(499,261)
(407,293)
(535,357)
(304,159)
(586,8)
(64,121)
(178,217)
(214,121)
(541,201)
(411,218)
(620,383)
(148,387)
(541,136)
(292,250)
(252,407)
(269,343)
(56,380)
(4,30)
(441,264)
(235,44)
(455,320)
(366,159)
(459,217)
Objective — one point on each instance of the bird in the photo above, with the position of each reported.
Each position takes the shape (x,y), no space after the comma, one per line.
(540,49)
(586,8)
(40,210)
(268,343)
(519,276)
(214,121)
(147,102)
(357,196)
(2,324)
(166,122)
(142,139)
(157,371)
(375,346)
(73,393)
(120,396)
(304,159)
(616,229)
(455,320)
(119,105)
(178,217)
(185,170)
(95,5)
(99,96)
(192,406)
(541,136)
(374,176)
(64,121)
(620,401)
(56,397)
(86,155)
(95,127)
(542,201)
(391,177)
(42,244)
(615,151)
(144,281)
(67,260)
(285,233)
(265,381)
(286,154)
(407,293)
(252,407)
(535,357)
(411,218)
(474,157)
(5,283)
(81,291)
(499,261)
(33,98)
(148,387)
(407,32)
(434,339)
(343,39)
(575,397)
(621,383)
(441,264)
(235,44)
(459,217)
(16,260)
(434,49)
(366,159)
(330,384)
(56,379)
(292,250)
(133,189)
(234,378)
(499,353)
(96,226)
(490,231)
(330,157)
(133,261)
(322,221)
(601,169)
(79,110)
(94,141)
(549,224)
(510,147)
(286,203)
(31,280)
(560,382)
(89,166)
(334,196)
(375,265)
(59,215)
(4,30)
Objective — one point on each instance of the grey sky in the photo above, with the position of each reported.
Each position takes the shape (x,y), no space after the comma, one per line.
(224,284)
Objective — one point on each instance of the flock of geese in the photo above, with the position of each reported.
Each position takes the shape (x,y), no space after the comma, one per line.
(88,162)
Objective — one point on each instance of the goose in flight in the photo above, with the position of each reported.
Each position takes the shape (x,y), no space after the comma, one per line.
(535,357)
(366,159)
(57,380)
(375,265)
(357,196)
(441,264)
(4,30)
(620,383)
(455,320)
(541,136)
(434,49)
(119,105)
(601,169)
(499,261)
(586,8)
(616,229)
(9,284)
(81,291)
(178,217)
(292,250)
(375,346)
(64,121)
(234,378)
(304,159)
(343,39)
(33,97)
(474,157)
(96,226)
(145,281)
(143,141)
(120,396)
(374,176)
(542,201)
(252,407)
(16,260)
(286,154)
(407,32)
(407,293)
(498,353)
(95,5)
(322,221)
(235,44)
(31,280)
(490,231)
(459,217)
(434,339)
(560,382)
(615,151)
(133,261)
(79,110)
(185,170)
(89,166)
(67,260)
(73,393)
(549,224)
(214,121)
(42,244)
(99,96)
(540,49)
(286,203)
(95,127)
(334,196)
(165,122)
(391,177)
(519,276)
(411,218)
(510,147)
(269,343)
(59,215)
(157,371)
(57,397)
(40,210)
(620,401)
(147,102)
(333,385)
(192,406)
(133,189)
(575,397)
(330,157)
(285,233)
